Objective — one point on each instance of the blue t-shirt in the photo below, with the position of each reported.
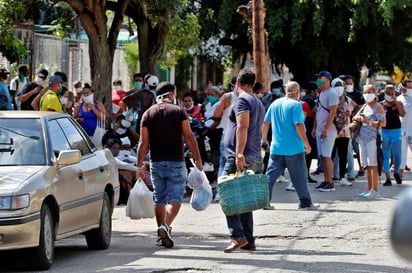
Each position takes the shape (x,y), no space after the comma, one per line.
(283,114)
(246,102)
(4,91)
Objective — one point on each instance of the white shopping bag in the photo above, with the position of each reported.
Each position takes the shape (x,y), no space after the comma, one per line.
(140,203)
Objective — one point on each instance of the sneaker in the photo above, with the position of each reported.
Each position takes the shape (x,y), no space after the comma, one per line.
(317,172)
(350,179)
(360,174)
(321,185)
(290,187)
(311,180)
(388,182)
(344,182)
(327,188)
(208,167)
(363,193)
(311,207)
(372,194)
(164,232)
(270,207)
(282,179)
(398,178)
(335,178)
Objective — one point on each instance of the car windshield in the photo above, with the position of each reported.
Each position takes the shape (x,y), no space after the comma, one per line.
(21,142)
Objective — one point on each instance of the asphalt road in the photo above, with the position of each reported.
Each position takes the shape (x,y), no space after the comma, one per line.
(347,234)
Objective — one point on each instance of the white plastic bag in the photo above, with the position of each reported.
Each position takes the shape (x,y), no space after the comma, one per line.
(201,196)
(196,177)
(99,132)
(140,203)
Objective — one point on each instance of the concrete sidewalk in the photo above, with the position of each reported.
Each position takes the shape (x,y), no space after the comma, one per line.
(347,234)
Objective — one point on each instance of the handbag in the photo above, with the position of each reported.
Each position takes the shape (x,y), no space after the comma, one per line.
(140,203)
(99,132)
(354,128)
(243,192)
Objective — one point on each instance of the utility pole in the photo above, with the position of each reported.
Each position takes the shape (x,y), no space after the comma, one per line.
(254,13)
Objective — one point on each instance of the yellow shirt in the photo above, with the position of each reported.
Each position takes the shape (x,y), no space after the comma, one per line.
(50,101)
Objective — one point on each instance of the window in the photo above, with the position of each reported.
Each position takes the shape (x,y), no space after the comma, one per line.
(75,138)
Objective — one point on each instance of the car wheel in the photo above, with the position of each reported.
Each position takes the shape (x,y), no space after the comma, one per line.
(41,257)
(99,238)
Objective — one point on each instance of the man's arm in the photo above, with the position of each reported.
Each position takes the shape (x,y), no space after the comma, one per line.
(242,121)
(192,143)
(265,130)
(301,130)
(142,150)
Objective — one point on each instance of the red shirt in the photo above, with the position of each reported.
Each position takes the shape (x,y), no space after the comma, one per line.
(117,96)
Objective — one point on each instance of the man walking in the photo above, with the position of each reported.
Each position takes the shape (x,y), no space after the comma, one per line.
(163,128)
(286,117)
(242,147)
(325,128)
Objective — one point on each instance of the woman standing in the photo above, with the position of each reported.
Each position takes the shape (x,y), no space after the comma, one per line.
(392,134)
(5,98)
(89,111)
(372,117)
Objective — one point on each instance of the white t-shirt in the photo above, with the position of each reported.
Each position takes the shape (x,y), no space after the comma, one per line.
(406,121)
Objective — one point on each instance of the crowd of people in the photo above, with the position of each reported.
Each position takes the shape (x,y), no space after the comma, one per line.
(154,133)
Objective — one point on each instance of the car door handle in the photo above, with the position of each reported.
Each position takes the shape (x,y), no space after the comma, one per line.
(80,175)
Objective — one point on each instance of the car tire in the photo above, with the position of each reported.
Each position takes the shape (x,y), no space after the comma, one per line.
(99,238)
(41,257)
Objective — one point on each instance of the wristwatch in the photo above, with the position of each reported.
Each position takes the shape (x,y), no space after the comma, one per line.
(239,155)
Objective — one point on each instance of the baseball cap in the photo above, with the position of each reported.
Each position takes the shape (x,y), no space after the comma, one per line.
(215,89)
(55,79)
(43,73)
(152,81)
(325,74)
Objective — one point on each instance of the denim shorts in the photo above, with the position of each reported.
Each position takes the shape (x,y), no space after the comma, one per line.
(325,145)
(169,181)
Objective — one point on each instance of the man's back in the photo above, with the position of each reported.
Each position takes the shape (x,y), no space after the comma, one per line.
(164,123)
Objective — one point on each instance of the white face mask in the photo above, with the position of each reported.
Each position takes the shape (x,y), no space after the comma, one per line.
(117,87)
(164,98)
(369,97)
(188,109)
(349,88)
(302,94)
(79,90)
(63,100)
(121,131)
(87,99)
(388,98)
(409,92)
(339,90)
(259,95)
(38,80)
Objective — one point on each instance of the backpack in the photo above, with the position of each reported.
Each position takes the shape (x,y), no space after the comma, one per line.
(341,117)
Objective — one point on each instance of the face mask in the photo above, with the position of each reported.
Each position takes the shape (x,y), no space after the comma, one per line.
(138,85)
(21,77)
(87,99)
(189,108)
(121,131)
(115,152)
(38,80)
(259,95)
(369,97)
(349,88)
(276,91)
(388,98)
(79,90)
(302,94)
(339,90)
(320,83)
(409,92)
(212,99)
(117,87)
(63,100)
(60,90)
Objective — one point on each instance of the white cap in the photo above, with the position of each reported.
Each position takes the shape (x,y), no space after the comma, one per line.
(153,81)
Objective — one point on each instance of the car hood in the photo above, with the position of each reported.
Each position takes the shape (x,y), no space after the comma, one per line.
(12,177)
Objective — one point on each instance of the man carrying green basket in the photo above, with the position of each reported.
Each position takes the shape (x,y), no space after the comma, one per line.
(242,150)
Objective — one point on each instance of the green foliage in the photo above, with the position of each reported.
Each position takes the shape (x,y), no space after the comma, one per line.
(131,58)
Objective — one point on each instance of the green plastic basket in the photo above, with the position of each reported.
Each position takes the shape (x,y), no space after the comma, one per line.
(243,193)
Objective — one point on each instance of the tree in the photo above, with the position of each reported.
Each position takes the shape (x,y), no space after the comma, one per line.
(338,35)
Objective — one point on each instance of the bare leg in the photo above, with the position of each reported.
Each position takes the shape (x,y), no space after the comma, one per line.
(165,214)
(327,168)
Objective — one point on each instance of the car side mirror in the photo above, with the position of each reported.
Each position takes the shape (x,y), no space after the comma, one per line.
(401,229)
(68,157)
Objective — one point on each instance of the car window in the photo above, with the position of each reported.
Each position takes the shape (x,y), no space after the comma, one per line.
(58,139)
(21,142)
(75,138)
